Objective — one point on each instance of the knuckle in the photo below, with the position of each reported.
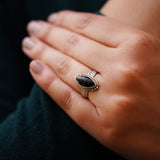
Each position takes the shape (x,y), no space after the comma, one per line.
(84,20)
(63,66)
(116,134)
(67,100)
(130,76)
(142,40)
(113,134)
(123,103)
(70,41)
(49,80)
(124,107)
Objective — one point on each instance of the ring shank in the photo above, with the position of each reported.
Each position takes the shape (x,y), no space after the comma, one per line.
(84,93)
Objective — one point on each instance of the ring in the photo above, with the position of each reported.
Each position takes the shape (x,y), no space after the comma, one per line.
(87,83)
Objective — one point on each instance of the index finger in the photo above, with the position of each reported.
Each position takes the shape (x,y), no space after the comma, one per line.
(99,28)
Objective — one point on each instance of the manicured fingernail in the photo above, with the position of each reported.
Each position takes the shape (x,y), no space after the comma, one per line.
(52,18)
(28,43)
(34,27)
(36,67)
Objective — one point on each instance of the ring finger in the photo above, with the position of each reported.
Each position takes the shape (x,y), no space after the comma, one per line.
(64,66)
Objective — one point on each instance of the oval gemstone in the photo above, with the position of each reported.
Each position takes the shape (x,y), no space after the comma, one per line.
(85,81)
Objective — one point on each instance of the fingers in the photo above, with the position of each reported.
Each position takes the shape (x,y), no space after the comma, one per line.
(92,26)
(64,66)
(76,46)
(81,110)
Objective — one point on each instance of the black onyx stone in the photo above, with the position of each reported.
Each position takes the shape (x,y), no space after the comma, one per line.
(85,81)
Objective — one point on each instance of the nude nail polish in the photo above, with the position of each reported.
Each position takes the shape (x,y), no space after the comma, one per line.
(34,27)
(28,43)
(36,67)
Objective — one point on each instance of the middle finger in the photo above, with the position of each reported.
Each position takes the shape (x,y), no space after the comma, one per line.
(84,50)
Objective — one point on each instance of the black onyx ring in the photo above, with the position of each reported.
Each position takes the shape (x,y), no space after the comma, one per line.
(87,83)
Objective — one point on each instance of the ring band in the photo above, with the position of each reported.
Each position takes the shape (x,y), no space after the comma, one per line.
(87,83)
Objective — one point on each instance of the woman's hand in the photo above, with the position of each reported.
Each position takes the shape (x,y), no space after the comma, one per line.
(124,113)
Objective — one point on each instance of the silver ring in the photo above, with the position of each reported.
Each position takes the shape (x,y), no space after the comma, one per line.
(87,83)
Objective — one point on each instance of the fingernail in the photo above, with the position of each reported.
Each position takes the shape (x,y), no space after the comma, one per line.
(28,43)
(36,67)
(52,18)
(34,27)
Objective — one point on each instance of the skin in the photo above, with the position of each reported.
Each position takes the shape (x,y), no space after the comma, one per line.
(123,114)
(142,14)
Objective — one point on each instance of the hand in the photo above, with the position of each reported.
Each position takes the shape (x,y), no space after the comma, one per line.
(123,114)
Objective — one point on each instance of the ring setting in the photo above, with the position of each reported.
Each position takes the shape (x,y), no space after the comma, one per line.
(87,83)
